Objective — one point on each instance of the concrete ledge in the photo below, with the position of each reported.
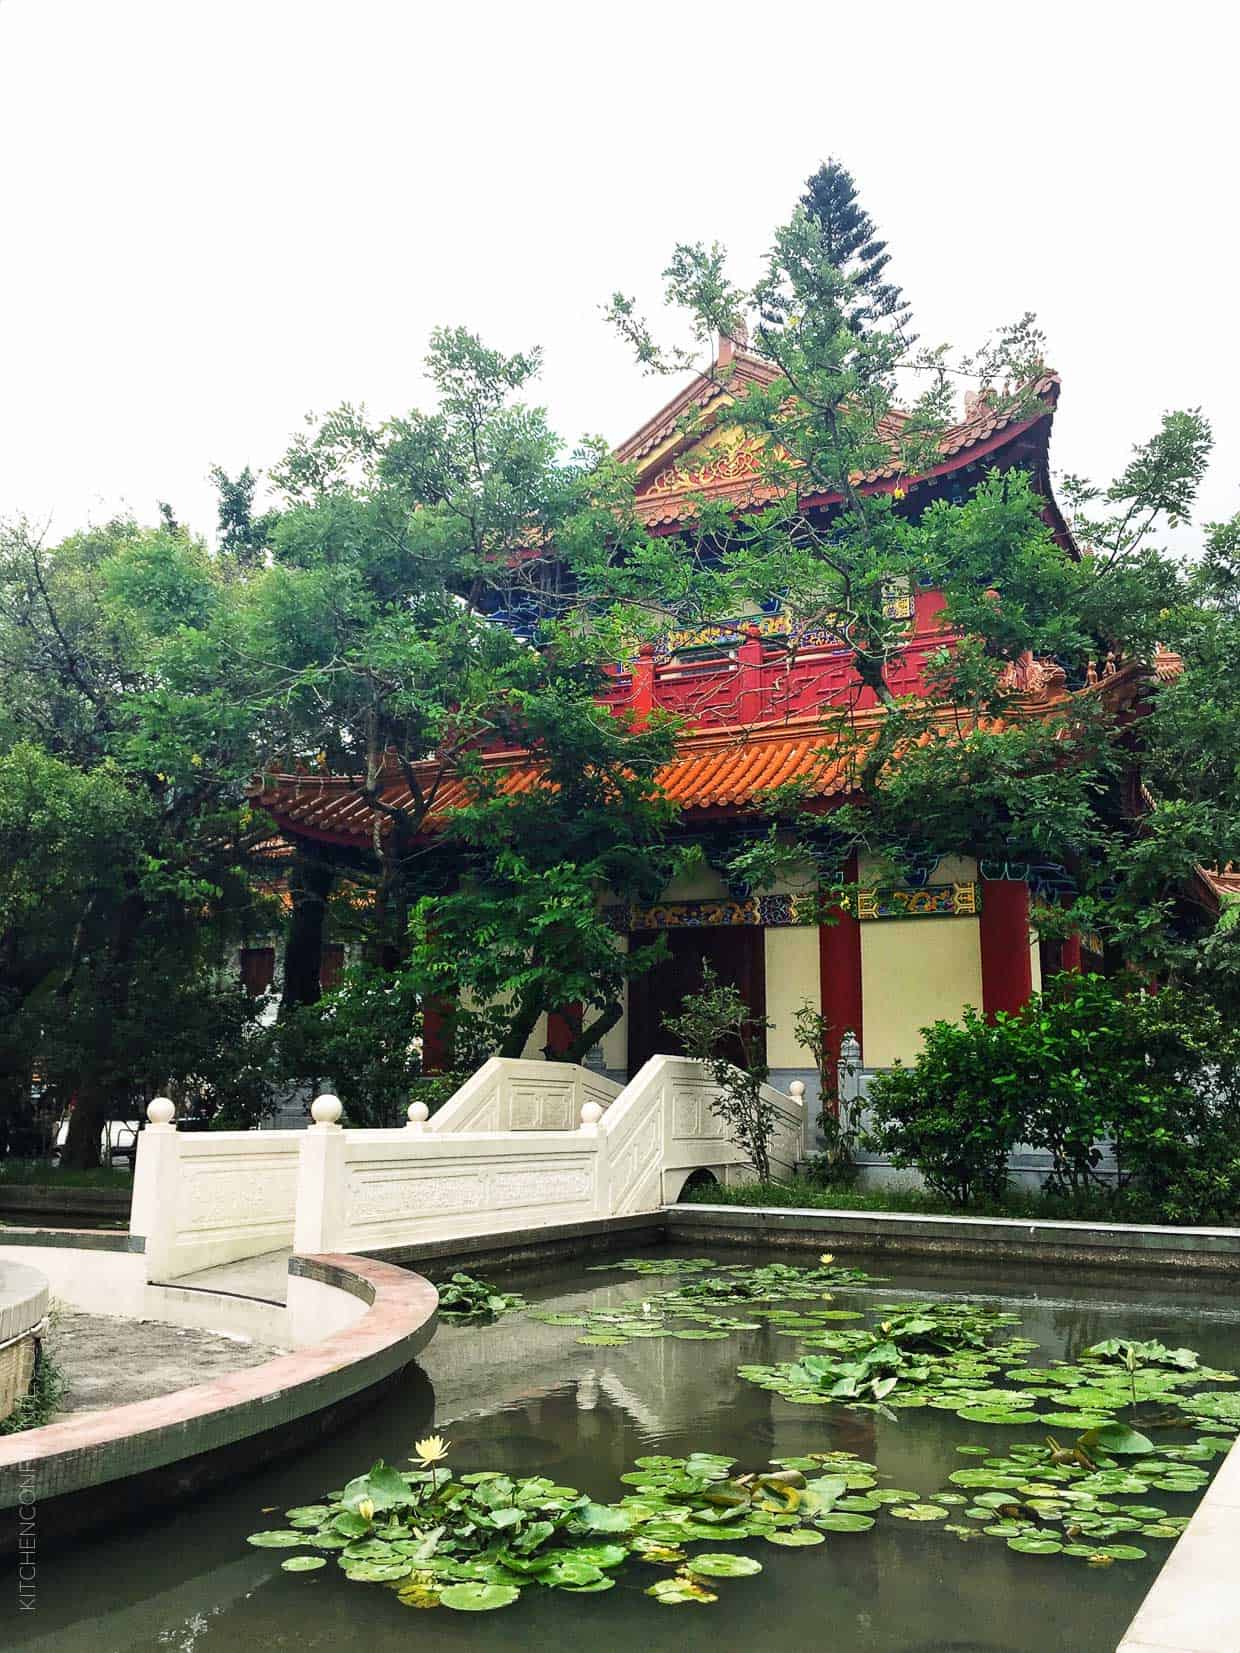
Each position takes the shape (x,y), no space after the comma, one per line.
(102,1466)
(1194,1604)
(23,1300)
(72,1239)
(523,1245)
(34,1200)
(23,1304)
(1205,1250)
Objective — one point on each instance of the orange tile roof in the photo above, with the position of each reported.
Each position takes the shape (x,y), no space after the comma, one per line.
(664,498)
(713,770)
(718,769)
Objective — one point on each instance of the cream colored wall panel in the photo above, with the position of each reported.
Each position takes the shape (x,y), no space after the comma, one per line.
(792,976)
(533,1051)
(915,971)
(702,884)
(954,869)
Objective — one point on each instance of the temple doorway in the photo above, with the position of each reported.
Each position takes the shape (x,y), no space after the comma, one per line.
(736,954)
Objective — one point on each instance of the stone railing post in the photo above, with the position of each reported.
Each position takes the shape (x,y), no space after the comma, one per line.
(320,1217)
(157,1188)
(591,1127)
(849,1069)
(801,1134)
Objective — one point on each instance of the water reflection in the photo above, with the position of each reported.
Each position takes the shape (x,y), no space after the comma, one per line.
(529,1397)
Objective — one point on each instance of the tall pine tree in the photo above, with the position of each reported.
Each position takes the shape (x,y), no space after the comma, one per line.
(852,245)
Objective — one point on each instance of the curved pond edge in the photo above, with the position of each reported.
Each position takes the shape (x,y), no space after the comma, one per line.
(24,1295)
(1193,1606)
(107,1466)
(1013,1239)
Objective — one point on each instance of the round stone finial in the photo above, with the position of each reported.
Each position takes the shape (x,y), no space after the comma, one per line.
(796,1090)
(326,1109)
(417,1113)
(591,1113)
(161,1110)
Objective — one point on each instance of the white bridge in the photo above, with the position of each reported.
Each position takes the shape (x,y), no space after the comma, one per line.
(521,1145)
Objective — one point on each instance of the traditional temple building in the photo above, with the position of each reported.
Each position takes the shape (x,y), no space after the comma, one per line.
(758,710)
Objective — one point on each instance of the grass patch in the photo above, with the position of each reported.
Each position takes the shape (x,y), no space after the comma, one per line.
(40,1405)
(37,1173)
(1104,1205)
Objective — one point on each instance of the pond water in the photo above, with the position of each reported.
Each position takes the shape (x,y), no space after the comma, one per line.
(527,1397)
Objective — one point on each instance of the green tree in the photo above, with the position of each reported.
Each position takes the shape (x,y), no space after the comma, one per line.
(413,622)
(851,243)
(718,1029)
(853,411)
(123,749)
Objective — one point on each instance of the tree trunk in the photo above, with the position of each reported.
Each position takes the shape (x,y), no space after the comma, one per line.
(524,1021)
(87,1117)
(310,884)
(590,1036)
(94,1096)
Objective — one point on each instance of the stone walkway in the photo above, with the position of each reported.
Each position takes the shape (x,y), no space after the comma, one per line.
(109,1361)
(264,1277)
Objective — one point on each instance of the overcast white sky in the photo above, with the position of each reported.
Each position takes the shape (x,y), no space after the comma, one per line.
(220,214)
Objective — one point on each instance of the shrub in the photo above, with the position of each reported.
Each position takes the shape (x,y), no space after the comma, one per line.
(835,1166)
(1087,1062)
(953,1116)
(716,1027)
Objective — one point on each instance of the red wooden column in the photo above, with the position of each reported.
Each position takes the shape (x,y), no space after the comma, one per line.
(643,685)
(749,678)
(1007,972)
(563,1029)
(437,1035)
(1070,951)
(839,962)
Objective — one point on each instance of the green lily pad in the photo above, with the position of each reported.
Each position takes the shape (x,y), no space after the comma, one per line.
(601,1555)
(304,1563)
(842,1521)
(478,1598)
(376,1572)
(918,1512)
(1117,1437)
(994,1414)
(278,1539)
(308,1515)
(1074,1420)
(680,1591)
(724,1566)
(570,1574)
(1035,1546)
(604,1518)
(800,1538)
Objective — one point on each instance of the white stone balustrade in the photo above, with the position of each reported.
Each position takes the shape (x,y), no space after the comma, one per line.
(520,1145)
(202,1198)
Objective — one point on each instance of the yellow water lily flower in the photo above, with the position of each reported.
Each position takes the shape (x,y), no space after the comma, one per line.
(827,1258)
(433,1450)
(366,1509)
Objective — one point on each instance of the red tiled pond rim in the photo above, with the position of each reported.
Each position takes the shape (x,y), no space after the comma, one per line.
(99,1447)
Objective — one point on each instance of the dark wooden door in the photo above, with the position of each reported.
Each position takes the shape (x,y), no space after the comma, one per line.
(736,954)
